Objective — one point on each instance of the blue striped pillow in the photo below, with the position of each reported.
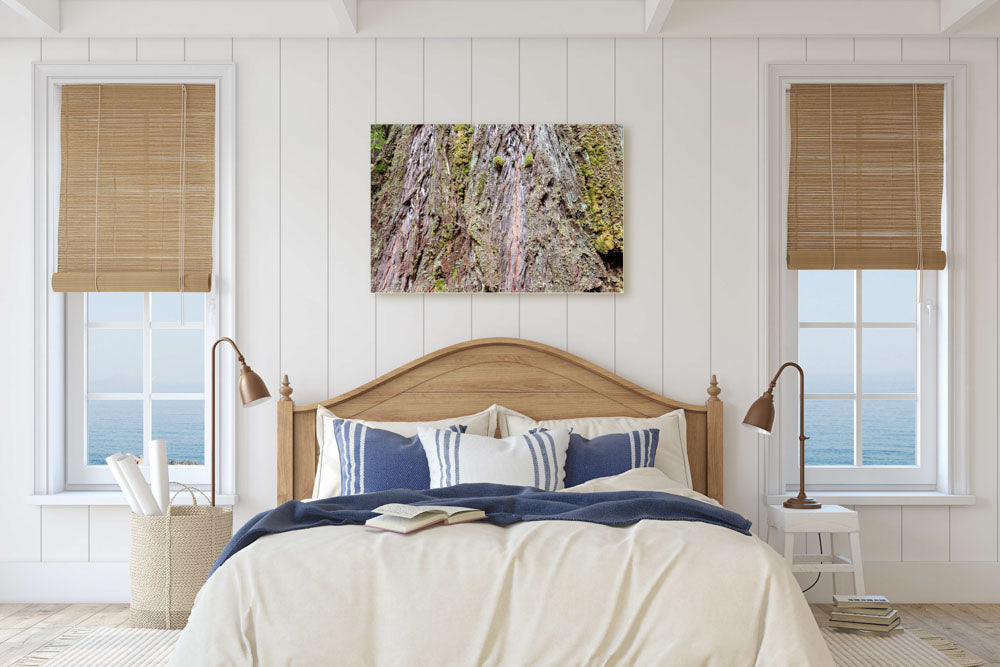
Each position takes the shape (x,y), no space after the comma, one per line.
(534,459)
(372,459)
(610,454)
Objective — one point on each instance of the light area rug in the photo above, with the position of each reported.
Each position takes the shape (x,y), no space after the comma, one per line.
(915,648)
(101,647)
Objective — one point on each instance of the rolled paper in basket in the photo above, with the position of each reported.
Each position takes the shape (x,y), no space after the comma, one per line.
(147,503)
(122,483)
(158,474)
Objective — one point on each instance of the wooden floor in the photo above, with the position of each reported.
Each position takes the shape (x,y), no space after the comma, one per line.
(26,627)
(974,627)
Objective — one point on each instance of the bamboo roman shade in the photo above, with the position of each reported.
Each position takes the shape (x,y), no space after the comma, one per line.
(866,176)
(137,193)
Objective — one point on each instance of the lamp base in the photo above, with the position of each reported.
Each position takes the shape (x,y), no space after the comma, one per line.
(802,504)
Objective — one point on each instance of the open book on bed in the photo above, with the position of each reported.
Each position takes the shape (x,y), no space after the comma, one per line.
(402,518)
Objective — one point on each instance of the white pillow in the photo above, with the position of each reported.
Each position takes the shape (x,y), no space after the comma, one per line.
(639,479)
(671,452)
(534,459)
(327,482)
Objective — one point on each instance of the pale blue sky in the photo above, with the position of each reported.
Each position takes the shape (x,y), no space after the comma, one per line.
(115,355)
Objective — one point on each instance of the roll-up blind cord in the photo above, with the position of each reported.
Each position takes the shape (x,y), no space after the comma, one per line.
(916,184)
(180,244)
(833,204)
(97,188)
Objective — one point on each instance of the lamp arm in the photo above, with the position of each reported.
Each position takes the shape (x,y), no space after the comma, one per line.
(802,394)
(241,360)
(238,353)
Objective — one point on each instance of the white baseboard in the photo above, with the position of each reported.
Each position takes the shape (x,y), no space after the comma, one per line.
(951,582)
(64,582)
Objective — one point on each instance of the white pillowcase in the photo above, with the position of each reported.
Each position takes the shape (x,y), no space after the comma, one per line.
(327,482)
(671,452)
(534,459)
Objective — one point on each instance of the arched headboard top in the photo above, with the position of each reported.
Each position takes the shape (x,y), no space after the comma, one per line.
(535,379)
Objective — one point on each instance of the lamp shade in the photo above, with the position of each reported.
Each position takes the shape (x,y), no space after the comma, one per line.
(760,416)
(252,388)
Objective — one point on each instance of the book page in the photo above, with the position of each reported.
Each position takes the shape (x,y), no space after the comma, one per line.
(405,511)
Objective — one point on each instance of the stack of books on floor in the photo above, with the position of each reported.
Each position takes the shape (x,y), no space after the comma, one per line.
(864,613)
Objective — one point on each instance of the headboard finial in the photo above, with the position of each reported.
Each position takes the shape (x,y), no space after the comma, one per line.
(286,389)
(714,389)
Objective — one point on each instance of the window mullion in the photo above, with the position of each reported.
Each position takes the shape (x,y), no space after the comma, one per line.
(858,388)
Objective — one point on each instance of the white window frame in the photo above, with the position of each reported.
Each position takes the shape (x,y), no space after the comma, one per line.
(79,474)
(55,311)
(943,302)
(922,475)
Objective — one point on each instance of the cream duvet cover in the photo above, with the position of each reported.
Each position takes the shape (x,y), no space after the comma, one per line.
(539,593)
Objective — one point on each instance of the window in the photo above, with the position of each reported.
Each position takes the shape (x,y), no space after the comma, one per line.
(116,368)
(869,350)
(137,367)
(882,346)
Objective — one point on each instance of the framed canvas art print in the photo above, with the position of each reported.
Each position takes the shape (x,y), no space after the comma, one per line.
(497,208)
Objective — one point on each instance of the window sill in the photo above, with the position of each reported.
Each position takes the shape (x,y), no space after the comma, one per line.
(881,498)
(110,498)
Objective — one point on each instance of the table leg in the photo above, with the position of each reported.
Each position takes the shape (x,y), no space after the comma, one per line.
(789,547)
(768,538)
(859,575)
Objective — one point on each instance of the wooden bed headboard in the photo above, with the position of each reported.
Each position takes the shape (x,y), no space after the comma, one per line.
(537,380)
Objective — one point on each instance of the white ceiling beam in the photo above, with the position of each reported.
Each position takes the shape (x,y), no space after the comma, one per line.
(347,14)
(958,14)
(656,15)
(41,13)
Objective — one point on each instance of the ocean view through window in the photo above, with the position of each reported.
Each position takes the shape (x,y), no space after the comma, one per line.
(858,343)
(145,374)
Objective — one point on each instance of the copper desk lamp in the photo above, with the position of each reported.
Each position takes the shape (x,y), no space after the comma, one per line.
(252,391)
(760,417)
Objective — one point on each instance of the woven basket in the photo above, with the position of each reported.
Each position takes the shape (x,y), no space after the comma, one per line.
(170,559)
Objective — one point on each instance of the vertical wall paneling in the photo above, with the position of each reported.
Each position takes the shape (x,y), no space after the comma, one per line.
(639,311)
(64,50)
(447,99)
(19,523)
(399,99)
(590,91)
(352,305)
(925,49)
(881,532)
(258,240)
(734,243)
(924,534)
(208,49)
(924,530)
(109,533)
(687,199)
(878,49)
(64,533)
(155,49)
(770,51)
(494,98)
(974,529)
(695,200)
(830,49)
(543,100)
(113,49)
(304,230)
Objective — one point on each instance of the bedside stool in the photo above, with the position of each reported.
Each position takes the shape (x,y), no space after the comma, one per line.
(827,519)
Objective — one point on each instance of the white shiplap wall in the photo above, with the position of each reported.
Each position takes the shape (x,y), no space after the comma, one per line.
(691,111)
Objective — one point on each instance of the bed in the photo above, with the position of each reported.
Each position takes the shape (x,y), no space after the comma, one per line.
(545,592)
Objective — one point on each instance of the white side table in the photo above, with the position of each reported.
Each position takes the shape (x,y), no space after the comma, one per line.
(827,519)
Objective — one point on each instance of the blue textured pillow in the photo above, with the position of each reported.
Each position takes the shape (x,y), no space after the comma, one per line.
(372,459)
(610,454)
